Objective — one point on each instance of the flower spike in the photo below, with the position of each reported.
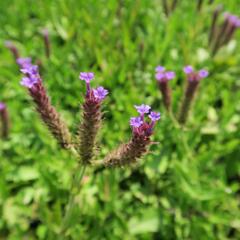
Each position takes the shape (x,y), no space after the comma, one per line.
(194,78)
(91,119)
(162,78)
(33,82)
(129,153)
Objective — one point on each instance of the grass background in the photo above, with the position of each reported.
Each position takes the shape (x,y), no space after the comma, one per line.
(187,187)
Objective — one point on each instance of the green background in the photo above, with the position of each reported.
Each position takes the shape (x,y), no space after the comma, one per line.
(186,187)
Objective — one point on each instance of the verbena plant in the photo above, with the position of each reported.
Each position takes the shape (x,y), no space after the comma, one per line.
(84,143)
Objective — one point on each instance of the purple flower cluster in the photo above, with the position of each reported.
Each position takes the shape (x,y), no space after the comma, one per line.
(2,106)
(30,71)
(97,94)
(139,125)
(195,76)
(232,19)
(162,75)
(24,62)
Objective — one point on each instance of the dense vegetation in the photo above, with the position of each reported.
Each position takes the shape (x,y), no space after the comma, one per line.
(186,187)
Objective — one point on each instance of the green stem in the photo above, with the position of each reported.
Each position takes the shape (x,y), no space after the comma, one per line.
(75,189)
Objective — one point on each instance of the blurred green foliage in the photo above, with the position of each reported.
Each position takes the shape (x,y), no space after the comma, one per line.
(187,187)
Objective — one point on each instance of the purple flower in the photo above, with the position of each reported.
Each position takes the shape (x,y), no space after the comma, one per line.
(136,121)
(232,19)
(202,73)
(29,82)
(154,116)
(86,76)
(162,75)
(2,106)
(31,70)
(193,75)
(142,109)
(160,69)
(100,93)
(24,62)
(31,74)
(170,75)
(188,69)
(159,76)
(237,24)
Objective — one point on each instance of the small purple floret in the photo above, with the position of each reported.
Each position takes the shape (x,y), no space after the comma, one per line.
(160,69)
(100,93)
(2,106)
(24,62)
(28,82)
(162,75)
(136,121)
(203,73)
(232,19)
(188,69)
(237,24)
(86,76)
(154,116)
(170,75)
(159,76)
(31,69)
(142,109)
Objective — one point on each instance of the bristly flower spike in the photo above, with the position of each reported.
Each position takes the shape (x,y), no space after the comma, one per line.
(33,82)
(91,119)
(193,78)
(129,153)
(162,78)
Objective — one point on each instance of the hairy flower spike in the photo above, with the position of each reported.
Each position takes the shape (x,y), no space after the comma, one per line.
(162,78)
(48,113)
(190,91)
(129,153)
(4,123)
(91,119)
